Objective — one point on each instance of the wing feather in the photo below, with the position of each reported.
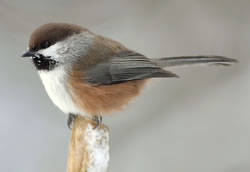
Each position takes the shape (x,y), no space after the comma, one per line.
(125,66)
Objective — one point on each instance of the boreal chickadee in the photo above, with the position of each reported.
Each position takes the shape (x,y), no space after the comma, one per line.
(88,74)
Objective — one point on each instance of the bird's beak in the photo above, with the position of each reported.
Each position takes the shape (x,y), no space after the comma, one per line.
(28,53)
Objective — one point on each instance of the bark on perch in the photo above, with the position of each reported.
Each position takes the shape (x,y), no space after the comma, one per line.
(89,149)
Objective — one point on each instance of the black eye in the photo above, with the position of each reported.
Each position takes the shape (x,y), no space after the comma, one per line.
(45,44)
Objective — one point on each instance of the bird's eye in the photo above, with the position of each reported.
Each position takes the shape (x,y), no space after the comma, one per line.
(45,44)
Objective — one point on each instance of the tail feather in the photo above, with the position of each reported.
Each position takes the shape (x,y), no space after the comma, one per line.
(184,61)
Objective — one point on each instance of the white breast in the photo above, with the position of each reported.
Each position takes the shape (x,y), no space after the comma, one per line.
(55,83)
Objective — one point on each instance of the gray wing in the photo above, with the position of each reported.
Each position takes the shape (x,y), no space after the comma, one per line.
(125,66)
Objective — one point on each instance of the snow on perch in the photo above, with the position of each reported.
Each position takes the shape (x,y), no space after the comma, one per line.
(89,148)
(98,149)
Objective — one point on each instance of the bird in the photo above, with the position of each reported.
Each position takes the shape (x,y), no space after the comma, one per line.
(91,75)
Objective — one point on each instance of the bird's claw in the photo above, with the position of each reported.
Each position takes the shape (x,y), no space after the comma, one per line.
(71,120)
(98,120)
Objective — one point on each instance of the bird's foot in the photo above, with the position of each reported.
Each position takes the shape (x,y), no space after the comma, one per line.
(71,119)
(98,120)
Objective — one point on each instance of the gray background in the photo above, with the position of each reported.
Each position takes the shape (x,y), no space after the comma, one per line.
(200,122)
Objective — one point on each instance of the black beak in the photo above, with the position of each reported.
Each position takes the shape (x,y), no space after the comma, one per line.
(28,54)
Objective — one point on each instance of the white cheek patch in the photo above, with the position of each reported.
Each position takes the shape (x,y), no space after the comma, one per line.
(51,51)
(54,51)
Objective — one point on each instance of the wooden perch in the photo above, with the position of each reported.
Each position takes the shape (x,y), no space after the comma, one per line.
(89,149)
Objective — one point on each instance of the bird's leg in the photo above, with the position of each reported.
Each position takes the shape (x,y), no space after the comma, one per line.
(71,119)
(98,120)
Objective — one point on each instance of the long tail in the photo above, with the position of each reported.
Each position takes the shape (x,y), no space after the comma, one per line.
(184,61)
